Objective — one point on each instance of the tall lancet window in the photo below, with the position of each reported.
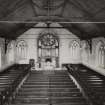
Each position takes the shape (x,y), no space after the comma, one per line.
(100,56)
(21,49)
(75,50)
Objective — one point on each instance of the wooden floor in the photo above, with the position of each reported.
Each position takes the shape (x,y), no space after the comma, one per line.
(49,88)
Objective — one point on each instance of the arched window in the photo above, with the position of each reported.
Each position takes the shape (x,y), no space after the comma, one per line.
(75,50)
(101,56)
(100,50)
(21,49)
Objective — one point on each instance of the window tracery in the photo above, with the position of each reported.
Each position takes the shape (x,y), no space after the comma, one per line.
(100,54)
(48,40)
(75,50)
(22,49)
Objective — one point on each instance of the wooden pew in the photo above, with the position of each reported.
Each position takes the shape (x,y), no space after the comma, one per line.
(92,82)
(49,88)
(10,79)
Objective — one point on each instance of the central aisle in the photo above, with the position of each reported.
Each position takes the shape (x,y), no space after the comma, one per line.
(49,88)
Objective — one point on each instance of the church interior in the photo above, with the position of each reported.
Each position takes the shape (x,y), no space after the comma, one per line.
(52,52)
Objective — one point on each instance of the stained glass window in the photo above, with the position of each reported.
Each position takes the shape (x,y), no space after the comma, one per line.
(48,39)
(101,56)
(21,49)
(75,50)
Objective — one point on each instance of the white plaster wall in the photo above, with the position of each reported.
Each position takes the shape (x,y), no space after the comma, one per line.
(92,60)
(31,39)
(2,55)
(93,57)
(94,46)
(3,59)
(65,39)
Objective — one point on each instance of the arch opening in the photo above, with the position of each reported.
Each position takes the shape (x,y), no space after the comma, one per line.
(48,50)
(21,49)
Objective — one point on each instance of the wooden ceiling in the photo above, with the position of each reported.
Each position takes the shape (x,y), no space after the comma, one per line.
(16,16)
